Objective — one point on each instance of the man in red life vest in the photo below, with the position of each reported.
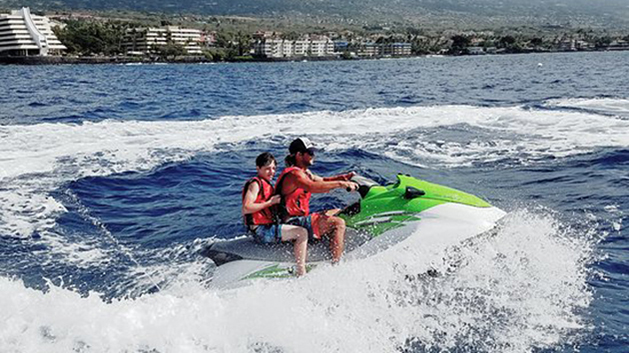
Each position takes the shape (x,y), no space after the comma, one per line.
(258,210)
(297,183)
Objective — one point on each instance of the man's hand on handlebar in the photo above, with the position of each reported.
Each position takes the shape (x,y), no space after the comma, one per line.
(350,186)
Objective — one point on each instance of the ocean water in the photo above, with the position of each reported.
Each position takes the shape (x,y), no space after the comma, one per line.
(114,178)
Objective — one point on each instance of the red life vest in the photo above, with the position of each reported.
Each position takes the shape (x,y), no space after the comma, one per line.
(296,203)
(265,216)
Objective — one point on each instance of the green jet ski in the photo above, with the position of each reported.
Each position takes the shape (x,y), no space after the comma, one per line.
(385,217)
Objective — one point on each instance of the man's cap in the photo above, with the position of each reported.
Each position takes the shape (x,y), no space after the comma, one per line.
(301,144)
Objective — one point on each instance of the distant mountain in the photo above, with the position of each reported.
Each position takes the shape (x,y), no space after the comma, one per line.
(588,12)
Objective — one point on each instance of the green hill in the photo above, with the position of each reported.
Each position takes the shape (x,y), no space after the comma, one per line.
(453,12)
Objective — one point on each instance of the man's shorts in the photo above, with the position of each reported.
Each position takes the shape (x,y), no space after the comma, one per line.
(310,222)
(268,234)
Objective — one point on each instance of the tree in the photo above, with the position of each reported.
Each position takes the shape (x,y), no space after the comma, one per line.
(603,42)
(170,49)
(224,39)
(459,44)
(507,41)
(243,43)
(536,42)
(85,37)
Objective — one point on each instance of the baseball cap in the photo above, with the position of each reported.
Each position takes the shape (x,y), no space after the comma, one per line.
(301,144)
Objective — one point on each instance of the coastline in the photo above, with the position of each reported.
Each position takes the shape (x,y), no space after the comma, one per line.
(96,60)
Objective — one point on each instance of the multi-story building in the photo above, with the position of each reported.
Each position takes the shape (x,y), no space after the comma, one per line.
(282,48)
(321,47)
(140,41)
(24,34)
(400,49)
(372,49)
(269,48)
(475,50)
(301,48)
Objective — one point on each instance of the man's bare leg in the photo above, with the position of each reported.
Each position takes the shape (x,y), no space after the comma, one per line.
(300,237)
(334,228)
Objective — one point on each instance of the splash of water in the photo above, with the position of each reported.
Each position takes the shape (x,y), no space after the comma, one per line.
(522,289)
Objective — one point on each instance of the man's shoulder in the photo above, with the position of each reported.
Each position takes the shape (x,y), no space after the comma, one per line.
(296,176)
(296,171)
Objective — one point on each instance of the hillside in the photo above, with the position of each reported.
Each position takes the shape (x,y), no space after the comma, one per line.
(460,13)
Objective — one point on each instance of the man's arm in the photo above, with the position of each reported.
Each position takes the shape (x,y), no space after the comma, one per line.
(319,185)
(249,204)
(345,177)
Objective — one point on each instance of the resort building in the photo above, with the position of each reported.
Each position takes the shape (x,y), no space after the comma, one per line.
(475,50)
(282,48)
(272,48)
(370,49)
(617,45)
(321,47)
(384,49)
(24,34)
(398,49)
(141,41)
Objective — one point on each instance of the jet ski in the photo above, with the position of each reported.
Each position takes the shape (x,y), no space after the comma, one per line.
(385,217)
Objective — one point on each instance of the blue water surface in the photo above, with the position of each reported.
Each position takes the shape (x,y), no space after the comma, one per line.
(137,214)
(194,92)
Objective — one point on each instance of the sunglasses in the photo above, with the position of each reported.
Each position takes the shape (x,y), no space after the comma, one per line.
(310,151)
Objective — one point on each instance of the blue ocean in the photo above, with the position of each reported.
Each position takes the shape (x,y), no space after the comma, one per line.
(114,178)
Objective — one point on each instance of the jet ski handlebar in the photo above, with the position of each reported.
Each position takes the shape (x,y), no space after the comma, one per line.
(364,184)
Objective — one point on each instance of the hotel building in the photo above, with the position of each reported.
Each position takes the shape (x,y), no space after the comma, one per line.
(281,48)
(24,34)
(141,41)
(384,49)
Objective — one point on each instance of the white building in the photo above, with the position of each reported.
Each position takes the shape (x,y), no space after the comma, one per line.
(140,41)
(281,48)
(23,34)
(475,50)
(372,49)
(400,49)
(321,47)
(270,48)
(301,48)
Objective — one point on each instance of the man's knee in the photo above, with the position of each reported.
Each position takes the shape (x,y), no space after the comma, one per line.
(301,234)
(339,223)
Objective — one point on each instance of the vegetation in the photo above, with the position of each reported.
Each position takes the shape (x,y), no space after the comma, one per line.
(92,37)
(95,36)
(170,51)
(220,54)
(235,43)
(459,44)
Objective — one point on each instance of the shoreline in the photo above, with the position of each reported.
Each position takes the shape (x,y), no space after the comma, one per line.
(66,60)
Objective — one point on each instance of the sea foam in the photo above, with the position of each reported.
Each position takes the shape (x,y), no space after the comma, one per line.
(522,289)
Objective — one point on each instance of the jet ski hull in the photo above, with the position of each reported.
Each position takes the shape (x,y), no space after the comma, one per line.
(411,212)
